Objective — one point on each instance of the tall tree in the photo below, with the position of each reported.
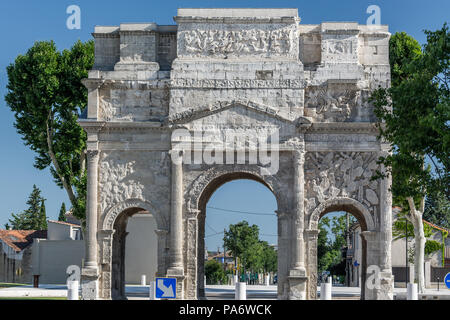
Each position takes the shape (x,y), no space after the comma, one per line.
(46,95)
(42,217)
(62,212)
(437,209)
(242,240)
(414,115)
(33,218)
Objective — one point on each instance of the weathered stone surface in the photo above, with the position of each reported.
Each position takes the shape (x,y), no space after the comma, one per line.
(244,72)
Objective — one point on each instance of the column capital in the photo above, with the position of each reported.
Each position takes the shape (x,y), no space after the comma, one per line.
(92,83)
(369,235)
(177,156)
(92,154)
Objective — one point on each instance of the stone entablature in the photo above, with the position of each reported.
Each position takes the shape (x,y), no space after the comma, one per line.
(233,70)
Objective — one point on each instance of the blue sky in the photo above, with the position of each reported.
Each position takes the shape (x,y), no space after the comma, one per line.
(24,22)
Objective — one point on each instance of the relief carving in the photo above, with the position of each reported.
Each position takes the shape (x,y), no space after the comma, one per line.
(333,105)
(118,182)
(221,43)
(330,175)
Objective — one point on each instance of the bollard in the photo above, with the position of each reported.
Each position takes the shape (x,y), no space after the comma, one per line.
(72,289)
(240,291)
(325,289)
(152,291)
(267,280)
(143,280)
(235,279)
(413,293)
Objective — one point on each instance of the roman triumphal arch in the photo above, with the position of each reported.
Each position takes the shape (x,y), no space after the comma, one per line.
(176,111)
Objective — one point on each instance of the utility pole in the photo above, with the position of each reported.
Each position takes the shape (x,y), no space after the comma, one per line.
(347,236)
(406,253)
(224,254)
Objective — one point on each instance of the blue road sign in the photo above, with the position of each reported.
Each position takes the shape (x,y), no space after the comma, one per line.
(356,264)
(447,280)
(166,288)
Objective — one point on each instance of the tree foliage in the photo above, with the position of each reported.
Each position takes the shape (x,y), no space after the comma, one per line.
(331,240)
(46,95)
(33,218)
(414,115)
(214,272)
(254,255)
(62,211)
(437,209)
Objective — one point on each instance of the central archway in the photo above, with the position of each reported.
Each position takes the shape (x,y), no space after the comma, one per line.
(207,192)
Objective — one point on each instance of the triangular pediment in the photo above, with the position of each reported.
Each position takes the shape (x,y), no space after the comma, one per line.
(243,107)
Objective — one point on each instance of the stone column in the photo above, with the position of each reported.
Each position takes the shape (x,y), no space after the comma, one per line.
(386,277)
(90,272)
(176,215)
(311,239)
(283,254)
(91,209)
(298,248)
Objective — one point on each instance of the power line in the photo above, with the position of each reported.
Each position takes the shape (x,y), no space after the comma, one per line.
(269,235)
(244,212)
(214,234)
(215,231)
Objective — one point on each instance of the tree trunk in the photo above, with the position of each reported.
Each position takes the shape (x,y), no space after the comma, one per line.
(55,163)
(419,237)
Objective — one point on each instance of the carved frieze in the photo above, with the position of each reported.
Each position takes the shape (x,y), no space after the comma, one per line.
(338,103)
(243,40)
(330,175)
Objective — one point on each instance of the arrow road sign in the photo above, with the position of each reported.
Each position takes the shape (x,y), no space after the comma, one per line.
(166,288)
(447,280)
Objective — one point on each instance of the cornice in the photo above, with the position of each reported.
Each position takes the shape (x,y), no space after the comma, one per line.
(342,127)
(236,20)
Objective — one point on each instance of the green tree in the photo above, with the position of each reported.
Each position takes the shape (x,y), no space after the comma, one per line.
(414,115)
(330,243)
(214,272)
(243,240)
(62,211)
(42,217)
(270,258)
(402,50)
(45,93)
(34,218)
(437,209)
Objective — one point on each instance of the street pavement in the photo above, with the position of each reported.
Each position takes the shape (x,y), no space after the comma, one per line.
(215,292)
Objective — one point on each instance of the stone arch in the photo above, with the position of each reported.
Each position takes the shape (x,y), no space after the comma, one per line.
(350,205)
(111,240)
(211,179)
(200,192)
(112,214)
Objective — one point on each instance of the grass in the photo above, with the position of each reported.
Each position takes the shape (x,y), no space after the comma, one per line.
(10,285)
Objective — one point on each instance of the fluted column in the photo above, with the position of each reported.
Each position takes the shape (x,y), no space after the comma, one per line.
(91,209)
(176,214)
(298,254)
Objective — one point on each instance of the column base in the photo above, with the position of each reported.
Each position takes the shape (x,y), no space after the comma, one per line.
(89,284)
(180,283)
(383,291)
(175,271)
(297,286)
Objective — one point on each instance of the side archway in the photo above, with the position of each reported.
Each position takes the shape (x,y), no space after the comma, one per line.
(112,245)
(365,220)
(349,205)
